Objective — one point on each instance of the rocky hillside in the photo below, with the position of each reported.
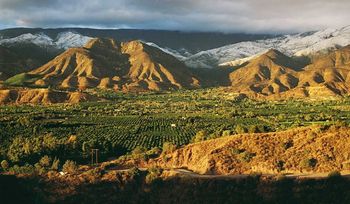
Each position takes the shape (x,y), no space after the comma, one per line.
(269,73)
(105,63)
(309,149)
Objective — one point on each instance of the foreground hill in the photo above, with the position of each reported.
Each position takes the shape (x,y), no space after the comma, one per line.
(310,149)
(105,63)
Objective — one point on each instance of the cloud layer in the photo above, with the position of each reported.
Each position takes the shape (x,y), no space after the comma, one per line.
(253,16)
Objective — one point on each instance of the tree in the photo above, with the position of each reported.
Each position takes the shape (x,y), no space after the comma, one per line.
(55,164)
(5,165)
(138,150)
(226,133)
(70,167)
(45,161)
(18,149)
(50,142)
(253,129)
(240,129)
(200,136)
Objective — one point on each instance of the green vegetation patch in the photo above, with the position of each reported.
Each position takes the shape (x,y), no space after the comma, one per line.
(23,79)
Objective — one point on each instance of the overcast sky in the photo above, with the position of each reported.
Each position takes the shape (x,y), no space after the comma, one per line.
(250,16)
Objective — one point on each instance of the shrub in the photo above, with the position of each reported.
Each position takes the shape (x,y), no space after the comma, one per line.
(39,169)
(26,169)
(308,163)
(154,152)
(134,172)
(235,151)
(255,175)
(94,174)
(246,156)
(168,147)
(139,153)
(153,175)
(233,113)
(288,144)
(346,165)
(311,135)
(70,167)
(226,133)
(334,174)
(280,165)
(280,178)
(138,150)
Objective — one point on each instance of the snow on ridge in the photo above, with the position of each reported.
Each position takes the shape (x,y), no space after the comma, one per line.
(169,51)
(241,61)
(297,45)
(38,39)
(70,39)
(64,40)
(214,57)
(306,43)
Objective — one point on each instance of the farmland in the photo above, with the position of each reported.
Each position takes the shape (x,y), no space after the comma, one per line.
(125,121)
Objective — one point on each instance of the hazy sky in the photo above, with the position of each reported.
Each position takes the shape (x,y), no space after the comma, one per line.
(200,15)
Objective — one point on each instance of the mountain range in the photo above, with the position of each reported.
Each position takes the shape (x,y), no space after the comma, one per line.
(313,64)
(106,63)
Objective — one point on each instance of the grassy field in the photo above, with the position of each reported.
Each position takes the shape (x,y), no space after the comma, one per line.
(148,120)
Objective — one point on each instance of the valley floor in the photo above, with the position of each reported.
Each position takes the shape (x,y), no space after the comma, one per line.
(203,146)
